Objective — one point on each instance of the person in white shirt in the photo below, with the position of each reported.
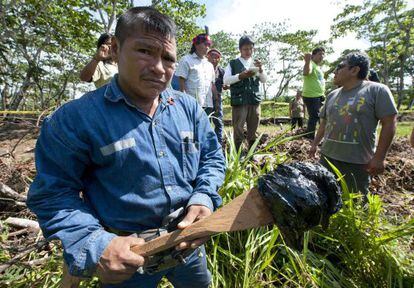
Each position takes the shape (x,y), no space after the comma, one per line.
(243,76)
(103,66)
(196,74)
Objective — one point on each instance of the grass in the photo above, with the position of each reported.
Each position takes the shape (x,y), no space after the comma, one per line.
(361,248)
(404,129)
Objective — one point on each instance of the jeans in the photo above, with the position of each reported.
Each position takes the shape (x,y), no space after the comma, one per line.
(312,105)
(194,273)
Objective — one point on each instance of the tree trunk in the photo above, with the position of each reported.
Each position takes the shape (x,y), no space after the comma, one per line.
(401,82)
(17,99)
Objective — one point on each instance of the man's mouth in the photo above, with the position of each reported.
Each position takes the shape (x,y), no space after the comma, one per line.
(155,81)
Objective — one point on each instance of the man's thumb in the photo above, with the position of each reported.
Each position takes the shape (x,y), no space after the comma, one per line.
(188,220)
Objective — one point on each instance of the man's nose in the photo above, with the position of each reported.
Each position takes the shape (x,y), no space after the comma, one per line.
(157,65)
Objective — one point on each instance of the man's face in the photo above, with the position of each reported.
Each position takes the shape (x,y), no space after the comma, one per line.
(246,51)
(214,58)
(107,47)
(146,63)
(318,57)
(344,73)
(202,48)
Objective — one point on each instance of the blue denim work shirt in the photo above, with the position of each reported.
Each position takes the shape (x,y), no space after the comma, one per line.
(133,170)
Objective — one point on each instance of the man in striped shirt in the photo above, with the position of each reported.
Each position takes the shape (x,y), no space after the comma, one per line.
(196,74)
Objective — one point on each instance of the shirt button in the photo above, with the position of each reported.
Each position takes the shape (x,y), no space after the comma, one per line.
(168,188)
(161,154)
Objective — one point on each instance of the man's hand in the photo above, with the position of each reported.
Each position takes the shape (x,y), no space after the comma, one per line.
(118,263)
(246,74)
(258,64)
(375,166)
(194,213)
(307,57)
(103,53)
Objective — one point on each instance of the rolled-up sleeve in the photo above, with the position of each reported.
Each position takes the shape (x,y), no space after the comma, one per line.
(211,170)
(61,159)
(228,78)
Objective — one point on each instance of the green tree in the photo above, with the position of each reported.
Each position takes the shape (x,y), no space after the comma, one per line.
(227,44)
(389,27)
(41,43)
(282,51)
(45,43)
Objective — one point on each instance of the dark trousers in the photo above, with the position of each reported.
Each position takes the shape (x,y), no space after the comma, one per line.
(312,105)
(245,114)
(296,120)
(355,175)
(217,118)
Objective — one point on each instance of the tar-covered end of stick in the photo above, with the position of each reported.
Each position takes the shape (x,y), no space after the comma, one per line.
(300,196)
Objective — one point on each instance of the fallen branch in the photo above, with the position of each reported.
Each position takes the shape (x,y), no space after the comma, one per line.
(36,262)
(23,223)
(8,192)
(14,202)
(17,233)
(22,254)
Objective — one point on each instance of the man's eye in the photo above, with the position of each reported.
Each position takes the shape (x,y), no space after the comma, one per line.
(144,51)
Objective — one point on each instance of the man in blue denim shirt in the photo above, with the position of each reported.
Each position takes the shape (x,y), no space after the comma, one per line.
(137,151)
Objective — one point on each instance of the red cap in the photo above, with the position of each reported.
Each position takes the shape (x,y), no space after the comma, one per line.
(202,38)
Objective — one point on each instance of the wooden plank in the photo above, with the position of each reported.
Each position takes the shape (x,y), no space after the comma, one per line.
(244,212)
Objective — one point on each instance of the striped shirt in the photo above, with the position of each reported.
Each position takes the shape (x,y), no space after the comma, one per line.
(199,76)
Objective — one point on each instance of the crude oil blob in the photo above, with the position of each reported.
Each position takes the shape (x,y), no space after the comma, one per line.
(300,196)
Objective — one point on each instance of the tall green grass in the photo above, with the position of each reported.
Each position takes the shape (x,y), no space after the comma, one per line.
(359,248)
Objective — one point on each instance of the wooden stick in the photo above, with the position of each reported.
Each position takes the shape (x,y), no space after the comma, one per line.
(244,212)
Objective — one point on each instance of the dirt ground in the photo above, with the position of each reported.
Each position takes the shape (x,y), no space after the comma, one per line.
(17,168)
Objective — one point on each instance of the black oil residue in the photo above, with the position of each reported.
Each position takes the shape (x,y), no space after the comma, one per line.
(300,196)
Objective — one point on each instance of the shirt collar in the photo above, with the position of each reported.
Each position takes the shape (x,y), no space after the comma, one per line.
(196,56)
(113,92)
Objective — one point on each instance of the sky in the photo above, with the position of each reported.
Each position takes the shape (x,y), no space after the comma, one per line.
(237,16)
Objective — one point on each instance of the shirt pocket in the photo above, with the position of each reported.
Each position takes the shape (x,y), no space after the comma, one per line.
(190,151)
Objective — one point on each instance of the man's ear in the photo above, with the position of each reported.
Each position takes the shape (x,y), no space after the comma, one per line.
(115,47)
(355,70)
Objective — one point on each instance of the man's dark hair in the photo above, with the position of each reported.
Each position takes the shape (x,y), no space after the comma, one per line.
(145,19)
(373,76)
(200,38)
(361,60)
(246,39)
(317,50)
(102,39)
